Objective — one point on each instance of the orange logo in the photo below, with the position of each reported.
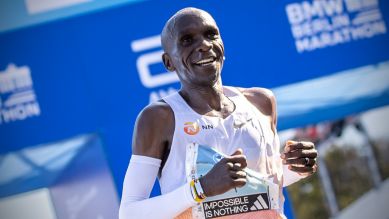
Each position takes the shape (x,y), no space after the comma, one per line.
(191,128)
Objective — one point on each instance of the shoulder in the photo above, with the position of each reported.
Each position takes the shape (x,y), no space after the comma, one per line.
(261,98)
(153,130)
(155,112)
(264,100)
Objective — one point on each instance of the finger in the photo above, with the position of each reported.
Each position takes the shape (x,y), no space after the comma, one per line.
(289,142)
(300,153)
(238,174)
(293,145)
(239,182)
(238,151)
(300,161)
(241,159)
(230,165)
(237,167)
(295,161)
(314,168)
(311,162)
(312,153)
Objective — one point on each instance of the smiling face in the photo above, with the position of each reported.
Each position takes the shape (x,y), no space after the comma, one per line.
(193,47)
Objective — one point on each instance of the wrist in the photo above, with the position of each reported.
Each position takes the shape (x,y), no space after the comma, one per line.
(197,190)
(204,185)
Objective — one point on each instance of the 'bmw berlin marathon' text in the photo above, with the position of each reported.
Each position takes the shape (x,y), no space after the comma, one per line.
(319,24)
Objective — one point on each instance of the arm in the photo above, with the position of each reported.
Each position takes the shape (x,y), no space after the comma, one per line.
(295,165)
(152,138)
(152,135)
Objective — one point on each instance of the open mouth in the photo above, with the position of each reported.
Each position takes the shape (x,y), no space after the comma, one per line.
(206,61)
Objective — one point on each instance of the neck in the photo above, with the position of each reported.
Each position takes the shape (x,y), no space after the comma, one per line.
(204,98)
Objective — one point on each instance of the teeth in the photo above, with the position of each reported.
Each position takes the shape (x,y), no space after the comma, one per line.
(204,61)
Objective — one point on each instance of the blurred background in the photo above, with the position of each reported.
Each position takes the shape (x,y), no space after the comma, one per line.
(74,74)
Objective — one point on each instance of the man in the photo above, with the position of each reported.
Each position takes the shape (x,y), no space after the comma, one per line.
(236,121)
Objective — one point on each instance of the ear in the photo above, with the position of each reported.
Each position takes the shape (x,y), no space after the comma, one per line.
(168,62)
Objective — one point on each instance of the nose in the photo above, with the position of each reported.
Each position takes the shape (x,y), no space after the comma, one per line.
(205,45)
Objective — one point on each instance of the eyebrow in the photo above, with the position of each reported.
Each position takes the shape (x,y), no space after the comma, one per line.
(189,30)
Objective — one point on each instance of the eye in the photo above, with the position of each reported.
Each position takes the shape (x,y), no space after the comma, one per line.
(212,34)
(186,39)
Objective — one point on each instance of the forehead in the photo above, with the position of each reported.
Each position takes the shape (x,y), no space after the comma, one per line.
(195,21)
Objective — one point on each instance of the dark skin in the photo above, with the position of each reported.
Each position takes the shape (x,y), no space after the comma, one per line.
(194,49)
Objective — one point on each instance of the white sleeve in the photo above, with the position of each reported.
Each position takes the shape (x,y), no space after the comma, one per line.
(138,183)
(291,177)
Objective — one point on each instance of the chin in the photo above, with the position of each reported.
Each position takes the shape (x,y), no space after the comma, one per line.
(206,76)
(209,80)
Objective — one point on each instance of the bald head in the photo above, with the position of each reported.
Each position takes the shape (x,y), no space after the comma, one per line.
(168,29)
(193,47)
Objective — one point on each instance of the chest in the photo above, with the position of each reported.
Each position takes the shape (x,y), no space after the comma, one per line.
(250,131)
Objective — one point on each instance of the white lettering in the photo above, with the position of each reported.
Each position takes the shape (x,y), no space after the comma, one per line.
(306,11)
(332,7)
(323,40)
(19,101)
(148,80)
(20,112)
(342,20)
(15,78)
(312,10)
(358,5)
(226,203)
(146,43)
(317,24)
(368,30)
(321,24)
(303,45)
(295,13)
(230,210)
(144,62)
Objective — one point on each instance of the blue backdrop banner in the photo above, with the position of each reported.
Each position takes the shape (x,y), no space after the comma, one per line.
(93,72)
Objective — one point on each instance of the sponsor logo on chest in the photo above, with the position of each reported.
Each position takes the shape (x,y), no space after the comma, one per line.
(192,128)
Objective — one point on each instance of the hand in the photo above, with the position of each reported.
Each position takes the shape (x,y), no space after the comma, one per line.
(225,175)
(300,156)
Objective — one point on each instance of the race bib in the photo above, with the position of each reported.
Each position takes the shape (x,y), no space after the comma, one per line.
(259,193)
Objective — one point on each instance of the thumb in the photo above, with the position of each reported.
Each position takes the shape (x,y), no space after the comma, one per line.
(289,142)
(238,151)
